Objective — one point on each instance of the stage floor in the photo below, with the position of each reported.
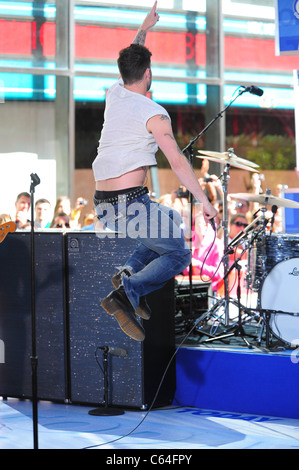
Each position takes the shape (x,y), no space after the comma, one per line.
(64,426)
(228,396)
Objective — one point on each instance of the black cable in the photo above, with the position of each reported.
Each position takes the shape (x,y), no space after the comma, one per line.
(205,259)
(156,394)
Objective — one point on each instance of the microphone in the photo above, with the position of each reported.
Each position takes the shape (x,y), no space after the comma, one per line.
(114,351)
(34,179)
(117,352)
(212,222)
(245,230)
(254,90)
(274,210)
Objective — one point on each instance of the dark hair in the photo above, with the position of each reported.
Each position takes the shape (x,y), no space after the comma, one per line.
(60,215)
(42,201)
(133,62)
(25,194)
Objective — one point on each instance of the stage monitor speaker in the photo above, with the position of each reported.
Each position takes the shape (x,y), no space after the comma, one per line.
(15,315)
(133,379)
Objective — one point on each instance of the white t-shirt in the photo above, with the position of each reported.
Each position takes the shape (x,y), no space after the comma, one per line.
(125,142)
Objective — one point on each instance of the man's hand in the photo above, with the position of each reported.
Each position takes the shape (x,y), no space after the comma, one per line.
(22,219)
(209,212)
(150,20)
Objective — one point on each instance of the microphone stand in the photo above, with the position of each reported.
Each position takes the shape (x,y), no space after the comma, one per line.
(189,149)
(106,410)
(34,360)
(238,330)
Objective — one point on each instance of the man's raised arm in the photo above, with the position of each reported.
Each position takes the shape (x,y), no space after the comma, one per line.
(150,20)
(161,129)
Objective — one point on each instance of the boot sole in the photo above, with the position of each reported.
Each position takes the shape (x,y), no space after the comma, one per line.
(131,329)
(142,313)
(116,281)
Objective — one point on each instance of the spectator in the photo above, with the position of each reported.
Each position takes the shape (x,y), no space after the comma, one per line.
(61,220)
(63,204)
(237,223)
(89,222)
(22,205)
(42,213)
(210,184)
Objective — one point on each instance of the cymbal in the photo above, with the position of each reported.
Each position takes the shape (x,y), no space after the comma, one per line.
(231,158)
(262,198)
(234,164)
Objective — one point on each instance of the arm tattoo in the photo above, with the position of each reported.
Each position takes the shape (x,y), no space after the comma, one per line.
(172,138)
(140,37)
(169,135)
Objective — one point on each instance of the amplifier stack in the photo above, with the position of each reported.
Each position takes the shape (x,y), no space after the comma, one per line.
(72,275)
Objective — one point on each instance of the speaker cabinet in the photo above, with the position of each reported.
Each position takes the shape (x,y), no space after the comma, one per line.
(15,315)
(132,380)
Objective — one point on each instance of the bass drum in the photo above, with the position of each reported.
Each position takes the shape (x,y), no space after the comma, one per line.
(268,252)
(279,292)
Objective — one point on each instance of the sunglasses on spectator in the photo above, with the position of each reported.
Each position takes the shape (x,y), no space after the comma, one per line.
(240,224)
(67,225)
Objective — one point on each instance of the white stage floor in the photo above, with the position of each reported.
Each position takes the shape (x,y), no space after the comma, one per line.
(64,426)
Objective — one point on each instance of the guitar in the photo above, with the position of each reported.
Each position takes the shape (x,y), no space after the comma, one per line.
(6,227)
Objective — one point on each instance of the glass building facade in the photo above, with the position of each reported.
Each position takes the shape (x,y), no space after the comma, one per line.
(57,59)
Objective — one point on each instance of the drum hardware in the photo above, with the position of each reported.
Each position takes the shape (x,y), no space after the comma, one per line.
(241,235)
(212,313)
(227,159)
(274,211)
(248,237)
(280,321)
(267,315)
(274,321)
(262,232)
(266,200)
(237,330)
(225,241)
(230,158)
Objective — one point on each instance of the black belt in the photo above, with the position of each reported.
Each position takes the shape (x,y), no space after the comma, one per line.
(126,197)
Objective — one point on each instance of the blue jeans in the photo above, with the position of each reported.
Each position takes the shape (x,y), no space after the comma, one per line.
(161,252)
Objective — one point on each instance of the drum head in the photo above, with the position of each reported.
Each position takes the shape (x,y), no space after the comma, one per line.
(280,292)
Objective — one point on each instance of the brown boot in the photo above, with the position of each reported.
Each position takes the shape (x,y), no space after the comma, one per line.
(118,305)
(143,310)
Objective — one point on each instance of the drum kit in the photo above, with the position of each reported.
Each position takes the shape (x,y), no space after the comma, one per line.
(272,271)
